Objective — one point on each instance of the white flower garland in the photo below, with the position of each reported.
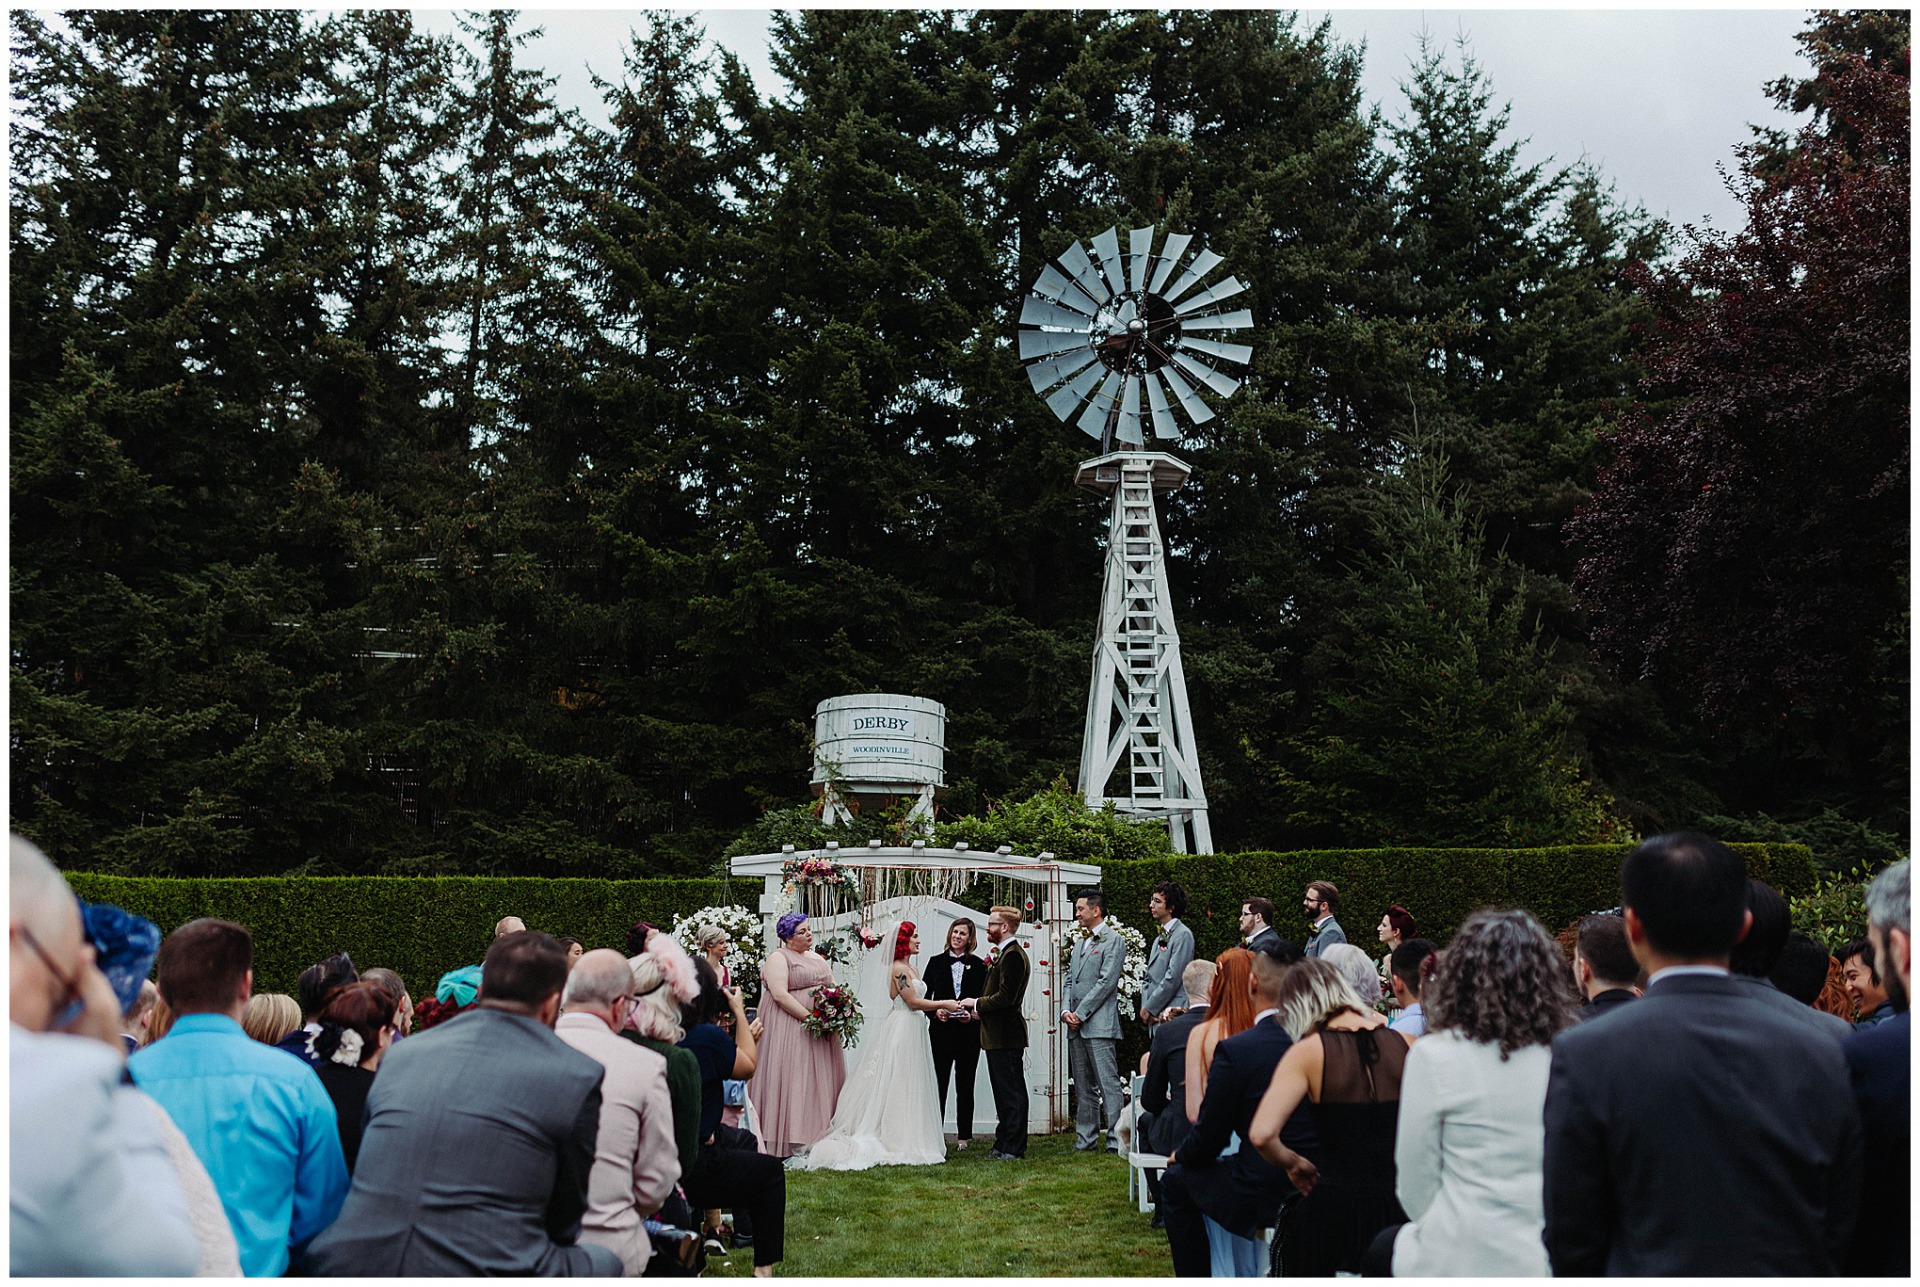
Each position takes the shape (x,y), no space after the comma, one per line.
(1133,974)
(743,953)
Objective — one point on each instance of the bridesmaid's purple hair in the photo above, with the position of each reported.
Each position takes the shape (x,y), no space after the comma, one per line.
(789,925)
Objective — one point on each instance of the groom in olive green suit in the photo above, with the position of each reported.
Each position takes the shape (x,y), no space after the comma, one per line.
(1003,1032)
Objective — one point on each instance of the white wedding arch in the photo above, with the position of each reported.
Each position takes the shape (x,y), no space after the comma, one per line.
(918,882)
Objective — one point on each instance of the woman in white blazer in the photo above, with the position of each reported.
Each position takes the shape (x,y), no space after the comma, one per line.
(1472,1102)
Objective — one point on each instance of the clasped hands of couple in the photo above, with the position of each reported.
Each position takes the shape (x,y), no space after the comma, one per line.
(960,1010)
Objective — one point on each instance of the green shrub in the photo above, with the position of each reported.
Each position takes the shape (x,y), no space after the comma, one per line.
(1834,911)
(419,926)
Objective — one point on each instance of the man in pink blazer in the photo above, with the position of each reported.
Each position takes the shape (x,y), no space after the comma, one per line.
(635,1161)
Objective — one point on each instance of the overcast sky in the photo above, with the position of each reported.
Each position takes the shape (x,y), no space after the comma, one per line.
(1657,98)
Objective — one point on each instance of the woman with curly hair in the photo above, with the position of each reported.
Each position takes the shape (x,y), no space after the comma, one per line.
(1347,1063)
(889,1113)
(1472,1106)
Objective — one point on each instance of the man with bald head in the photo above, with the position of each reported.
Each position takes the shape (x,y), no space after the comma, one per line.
(91,1190)
(635,1161)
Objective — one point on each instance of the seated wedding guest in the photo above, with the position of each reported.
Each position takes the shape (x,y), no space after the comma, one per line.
(575,950)
(664,981)
(260,1123)
(1411,962)
(316,984)
(1696,1089)
(270,1017)
(1879,1060)
(634,1161)
(1356,967)
(1760,949)
(134,1019)
(393,983)
(1230,1012)
(1604,966)
(1801,971)
(722,1176)
(1864,984)
(1346,1065)
(479,1140)
(1467,1155)
(357,1027)
(457,988)
(161,1020)
(91,1189)
(1163,1094)
(1213,1176)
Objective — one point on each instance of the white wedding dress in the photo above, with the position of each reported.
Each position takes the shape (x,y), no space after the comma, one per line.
(889,1109)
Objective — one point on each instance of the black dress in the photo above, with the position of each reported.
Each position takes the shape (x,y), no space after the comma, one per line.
(1356,1118)
(347,1087)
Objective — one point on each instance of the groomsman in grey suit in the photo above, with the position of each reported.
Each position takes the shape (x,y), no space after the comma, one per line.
(1168,954)
(1091,1011)
(1319,902)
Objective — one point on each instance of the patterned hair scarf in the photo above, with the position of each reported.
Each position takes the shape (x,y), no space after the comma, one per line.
(124,946)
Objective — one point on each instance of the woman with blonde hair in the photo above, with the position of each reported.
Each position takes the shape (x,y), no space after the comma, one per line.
(270,1016)
(1347,1063)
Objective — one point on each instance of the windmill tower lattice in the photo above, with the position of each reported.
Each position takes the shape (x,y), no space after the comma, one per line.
(1101,333)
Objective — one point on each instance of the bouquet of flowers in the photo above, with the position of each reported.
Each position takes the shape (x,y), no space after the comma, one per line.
(813,869)
(1133,974)
(835,1013)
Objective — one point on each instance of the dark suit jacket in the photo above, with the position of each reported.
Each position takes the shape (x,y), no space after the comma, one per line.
(1880,1060)
(1605,1003)
(1699,1131)
(938,979)
(1002,1027)
(1164,1092)
(479,1138)
(1242,1191)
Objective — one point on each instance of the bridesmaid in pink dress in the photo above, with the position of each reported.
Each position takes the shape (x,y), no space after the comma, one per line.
(800,1075)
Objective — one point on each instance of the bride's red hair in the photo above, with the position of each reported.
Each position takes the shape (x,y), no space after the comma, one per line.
(902,937)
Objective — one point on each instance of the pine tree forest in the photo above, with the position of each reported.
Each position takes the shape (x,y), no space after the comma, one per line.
(411,477)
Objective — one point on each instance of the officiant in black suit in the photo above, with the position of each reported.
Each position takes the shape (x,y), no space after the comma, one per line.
(955,975)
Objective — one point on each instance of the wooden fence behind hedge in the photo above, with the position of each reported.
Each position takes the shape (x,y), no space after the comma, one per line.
(425,926)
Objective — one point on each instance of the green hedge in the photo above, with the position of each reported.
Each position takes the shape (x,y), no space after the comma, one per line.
(419,926)
(425,926)
(1439,886)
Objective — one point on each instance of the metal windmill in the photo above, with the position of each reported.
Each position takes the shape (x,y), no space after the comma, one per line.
(1098,332)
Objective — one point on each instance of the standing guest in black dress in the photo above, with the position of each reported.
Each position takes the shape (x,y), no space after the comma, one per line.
(955,975)
(357,1026)
(1347,1063)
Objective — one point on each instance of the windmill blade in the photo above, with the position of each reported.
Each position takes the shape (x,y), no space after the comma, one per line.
(1107,246)
(1203,263)
(1037,312)
(1169,257)
(1044,375)
(1035,344)
(1093,420)
(1212,295)
(1197,411)
(1129,427)
(1057,284)
(1241,353)
(1164,425)
(1220,383)
(1239,319)
(1085,275)
(1069,395)
(1139,251)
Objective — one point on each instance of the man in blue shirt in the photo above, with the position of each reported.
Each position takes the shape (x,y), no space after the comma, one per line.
(258,1118)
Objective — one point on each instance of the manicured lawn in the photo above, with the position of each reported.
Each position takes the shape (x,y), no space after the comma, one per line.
(1058,1214)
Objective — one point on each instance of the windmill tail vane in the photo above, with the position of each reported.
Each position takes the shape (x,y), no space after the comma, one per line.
(1126,344)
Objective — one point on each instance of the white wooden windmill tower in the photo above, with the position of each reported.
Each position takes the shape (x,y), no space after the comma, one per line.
(1099,333)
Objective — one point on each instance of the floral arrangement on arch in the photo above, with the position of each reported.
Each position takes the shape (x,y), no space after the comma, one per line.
(1133,974)
(813,869)
(743,953)
(817,884)
(835,1013)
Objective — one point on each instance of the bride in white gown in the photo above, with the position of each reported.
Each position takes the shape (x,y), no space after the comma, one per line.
(889,1109)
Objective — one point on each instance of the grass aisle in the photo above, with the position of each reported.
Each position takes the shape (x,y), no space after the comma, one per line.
(1058,1214)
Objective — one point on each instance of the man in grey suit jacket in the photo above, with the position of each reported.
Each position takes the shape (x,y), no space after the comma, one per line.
(479,1141)
(1319,903)
(1091,1011)
(1169,953)
(1697,1089)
